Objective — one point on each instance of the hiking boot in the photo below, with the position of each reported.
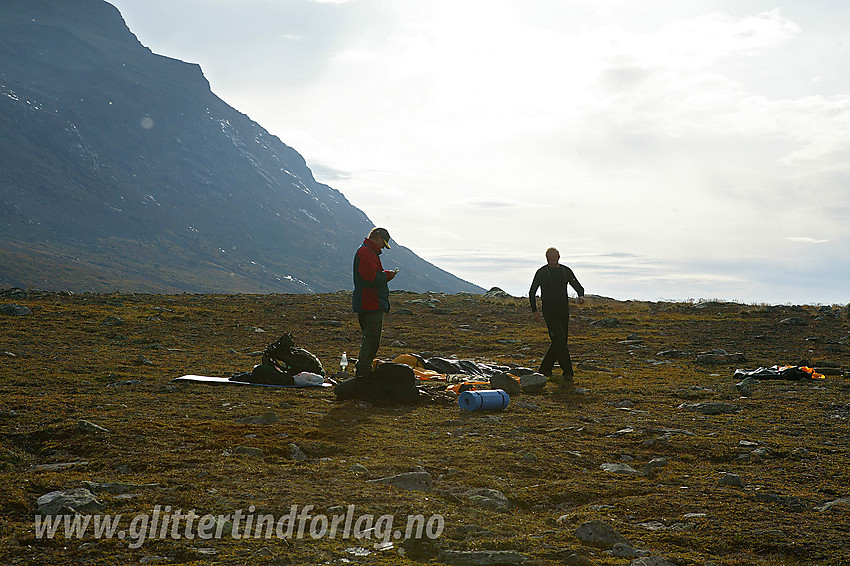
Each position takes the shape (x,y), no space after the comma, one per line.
(546,373)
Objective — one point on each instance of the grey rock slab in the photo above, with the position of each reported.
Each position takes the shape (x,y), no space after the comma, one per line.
(491,499)
(155,560)
(79,500)
(619,469)
(673,354)
(843,502)
(87,426)
(413,481)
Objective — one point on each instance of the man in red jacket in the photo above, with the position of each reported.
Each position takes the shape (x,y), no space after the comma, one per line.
(371,298)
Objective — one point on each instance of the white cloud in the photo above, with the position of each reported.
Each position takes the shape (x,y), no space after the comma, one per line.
(673,132)
(805,240)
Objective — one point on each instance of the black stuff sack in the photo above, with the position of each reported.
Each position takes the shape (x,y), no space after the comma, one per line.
(265,374)
(350,389)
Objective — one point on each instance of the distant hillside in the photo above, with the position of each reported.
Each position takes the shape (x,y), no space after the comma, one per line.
(121,170)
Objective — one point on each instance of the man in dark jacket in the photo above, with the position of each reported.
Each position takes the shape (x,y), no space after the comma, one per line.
(371,298)
(552,280)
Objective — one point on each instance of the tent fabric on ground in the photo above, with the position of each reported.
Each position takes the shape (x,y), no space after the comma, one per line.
(439,368)
(418,367)
(791,373)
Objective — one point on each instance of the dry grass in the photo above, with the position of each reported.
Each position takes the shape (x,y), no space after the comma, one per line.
(65,359)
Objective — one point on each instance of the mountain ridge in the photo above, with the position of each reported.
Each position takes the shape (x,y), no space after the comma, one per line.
(123,170)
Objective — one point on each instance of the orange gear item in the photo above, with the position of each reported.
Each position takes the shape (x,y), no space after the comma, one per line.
(469,384)
(418,369)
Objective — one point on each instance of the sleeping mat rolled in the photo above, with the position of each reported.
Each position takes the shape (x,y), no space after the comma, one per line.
(487,400)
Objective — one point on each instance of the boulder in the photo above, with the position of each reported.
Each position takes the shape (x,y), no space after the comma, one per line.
(599,533)
(491,499)
(12,309)
(532,382)
(731,479)
(505,382)
(295,453)
(66,502)
(496,293)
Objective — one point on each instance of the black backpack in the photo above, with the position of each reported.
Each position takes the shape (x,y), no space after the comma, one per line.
(281,361)
(388,384)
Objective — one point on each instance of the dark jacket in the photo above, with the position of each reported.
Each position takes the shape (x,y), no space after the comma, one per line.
(552,283)
(370,280)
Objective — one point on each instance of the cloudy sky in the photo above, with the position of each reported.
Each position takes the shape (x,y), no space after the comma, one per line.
(671,149)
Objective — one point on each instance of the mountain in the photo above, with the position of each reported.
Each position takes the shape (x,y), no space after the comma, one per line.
(121,170)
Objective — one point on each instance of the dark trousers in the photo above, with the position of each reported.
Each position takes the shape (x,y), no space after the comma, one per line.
(558,323)
(371,323)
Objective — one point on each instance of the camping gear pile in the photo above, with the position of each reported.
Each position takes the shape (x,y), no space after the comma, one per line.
(791,373)
(284,364)
(398,381)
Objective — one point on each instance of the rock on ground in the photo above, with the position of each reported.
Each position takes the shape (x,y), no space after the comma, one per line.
(599,533)
(711,408)
(14,310)
(482,558)
(506,383)
(413,481)
(64,502)
(532,382)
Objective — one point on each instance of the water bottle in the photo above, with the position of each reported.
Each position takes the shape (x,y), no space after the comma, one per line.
(343,361)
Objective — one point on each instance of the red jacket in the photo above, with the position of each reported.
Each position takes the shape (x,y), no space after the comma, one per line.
(370,280)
